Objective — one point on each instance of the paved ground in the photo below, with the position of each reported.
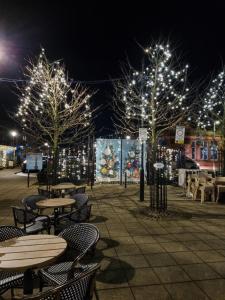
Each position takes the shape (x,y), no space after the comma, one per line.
(181,256)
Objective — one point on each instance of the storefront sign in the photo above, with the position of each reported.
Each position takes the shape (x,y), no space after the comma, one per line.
(34,161)
(143,134)
(158,165)
(180,132)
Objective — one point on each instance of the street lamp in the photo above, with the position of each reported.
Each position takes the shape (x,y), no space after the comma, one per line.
(13,133)
(214,144)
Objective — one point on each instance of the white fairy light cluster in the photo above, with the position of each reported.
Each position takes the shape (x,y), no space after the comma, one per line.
(213,107)
(46,83)
(158,91)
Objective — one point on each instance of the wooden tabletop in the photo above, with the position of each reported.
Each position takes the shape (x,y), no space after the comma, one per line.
(62,186)
(30,251)
(55,202)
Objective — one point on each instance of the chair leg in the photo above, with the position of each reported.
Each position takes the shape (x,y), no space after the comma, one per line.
(96,293)
(41,284)
(202,196)
(12,293)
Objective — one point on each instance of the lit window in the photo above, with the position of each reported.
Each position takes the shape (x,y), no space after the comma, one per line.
(214,150)
(193,150)
(204,155)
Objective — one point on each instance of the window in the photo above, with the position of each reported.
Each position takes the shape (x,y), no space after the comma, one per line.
(204,155)
(213,150)
(193,149)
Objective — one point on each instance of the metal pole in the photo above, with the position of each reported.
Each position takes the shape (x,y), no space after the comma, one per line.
(121,159)
(142,174)
(125,179)
(214,135)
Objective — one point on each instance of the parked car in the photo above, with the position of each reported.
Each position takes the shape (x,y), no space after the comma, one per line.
(190,163)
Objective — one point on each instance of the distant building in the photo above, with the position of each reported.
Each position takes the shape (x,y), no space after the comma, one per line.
(7,156)
(205,150)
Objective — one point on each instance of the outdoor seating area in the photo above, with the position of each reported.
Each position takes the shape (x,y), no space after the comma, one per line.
(120,253)
(203,186)
(46,244)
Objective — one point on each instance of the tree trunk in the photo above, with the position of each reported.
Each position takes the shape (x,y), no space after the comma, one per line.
(55,153)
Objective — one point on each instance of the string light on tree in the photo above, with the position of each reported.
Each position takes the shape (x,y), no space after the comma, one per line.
(52,108)
(155,97)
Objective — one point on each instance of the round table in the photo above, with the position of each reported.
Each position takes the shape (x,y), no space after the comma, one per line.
(55,203)
(61,187)
(27,252)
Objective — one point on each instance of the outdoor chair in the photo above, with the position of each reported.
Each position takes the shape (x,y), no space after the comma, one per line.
(81,199)
(80,239)
(80,215)
(80,287)
(79,190)
(29,202)
(204,185)
(10,280)
(32,222)
(44,192)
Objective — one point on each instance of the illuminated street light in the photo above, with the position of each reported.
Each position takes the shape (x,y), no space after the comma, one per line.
(14,134)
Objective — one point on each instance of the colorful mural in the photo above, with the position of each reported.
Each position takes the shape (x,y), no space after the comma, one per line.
(131,159)
(110,164)
(108,160)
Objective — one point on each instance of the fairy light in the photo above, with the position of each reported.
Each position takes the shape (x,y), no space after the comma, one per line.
(45,81)
(213,103)
(158,93)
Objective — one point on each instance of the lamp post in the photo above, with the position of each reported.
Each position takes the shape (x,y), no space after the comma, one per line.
(13,133)
(214,145)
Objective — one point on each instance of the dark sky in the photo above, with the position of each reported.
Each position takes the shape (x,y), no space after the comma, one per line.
(93,39)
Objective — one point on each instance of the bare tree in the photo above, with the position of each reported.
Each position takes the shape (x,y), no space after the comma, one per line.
(52,108)
(154,97)
(212,110)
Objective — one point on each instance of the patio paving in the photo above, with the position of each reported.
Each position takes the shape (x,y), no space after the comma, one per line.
(180,256)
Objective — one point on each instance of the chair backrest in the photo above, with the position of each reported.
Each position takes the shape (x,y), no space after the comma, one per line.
(80,288)
(81,199)
(82,214)
(30,201)
(81,237)
(10,232)
(44,192)
(22,216)
(80,190)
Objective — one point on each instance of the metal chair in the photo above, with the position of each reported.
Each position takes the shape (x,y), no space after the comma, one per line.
(29,202)
(81,199)
(80,239)
(44,192)
(80,215)
(32,222)
(79,190)
(81,287)
(10,280)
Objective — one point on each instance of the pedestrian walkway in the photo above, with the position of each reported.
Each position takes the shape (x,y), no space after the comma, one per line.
(180,256)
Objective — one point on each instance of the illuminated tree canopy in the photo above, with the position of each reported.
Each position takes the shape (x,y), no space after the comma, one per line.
(155,97)
(213,104)
(52,108)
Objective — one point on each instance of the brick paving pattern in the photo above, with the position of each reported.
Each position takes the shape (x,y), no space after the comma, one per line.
(181,256)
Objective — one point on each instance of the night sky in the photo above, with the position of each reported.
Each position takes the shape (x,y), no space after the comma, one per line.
(94,39)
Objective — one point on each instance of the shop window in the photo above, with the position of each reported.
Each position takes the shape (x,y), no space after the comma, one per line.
(193,150)
(213,150)
(204,155)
